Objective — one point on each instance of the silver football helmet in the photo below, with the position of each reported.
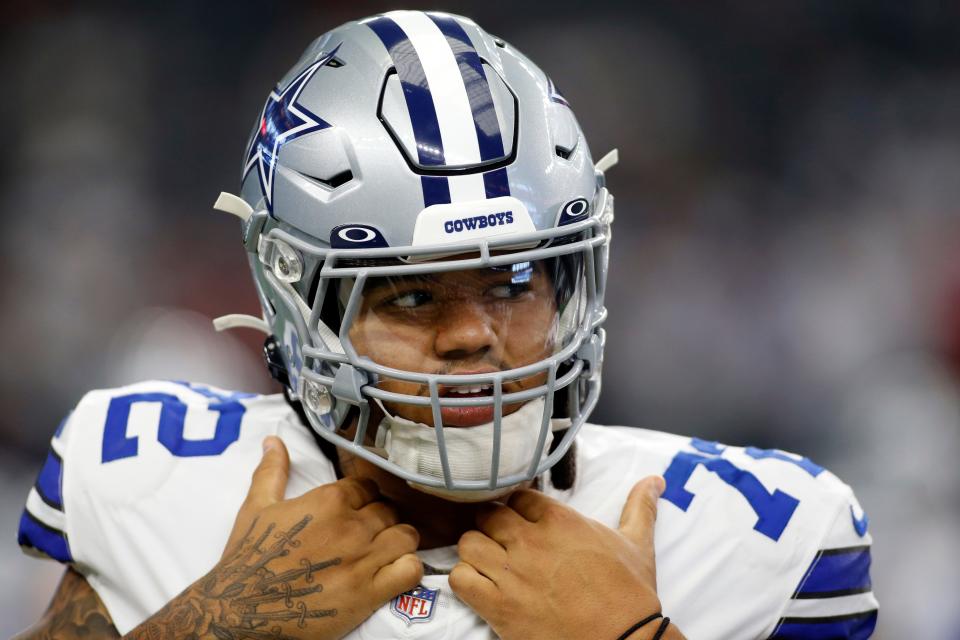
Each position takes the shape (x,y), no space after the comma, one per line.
(427,232)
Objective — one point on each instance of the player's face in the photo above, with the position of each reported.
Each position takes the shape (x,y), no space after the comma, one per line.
(460,322)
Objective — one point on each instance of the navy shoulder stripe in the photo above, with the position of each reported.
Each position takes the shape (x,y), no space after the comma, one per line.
(50,481)
(855,626)
(837,572)
(37,535)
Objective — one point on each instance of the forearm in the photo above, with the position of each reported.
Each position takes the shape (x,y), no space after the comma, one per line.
(187,615)
(75,612)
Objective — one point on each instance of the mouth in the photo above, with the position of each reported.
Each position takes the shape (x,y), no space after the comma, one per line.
(467,391)
(467,416)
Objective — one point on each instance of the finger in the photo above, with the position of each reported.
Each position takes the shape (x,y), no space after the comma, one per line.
(267,486)
(392,543)
(378,516)
(530,504)
(270,477)
(483,554)
(639,513)
(355,492)
(360,491)
(501,523)
(401,575)
(476,590)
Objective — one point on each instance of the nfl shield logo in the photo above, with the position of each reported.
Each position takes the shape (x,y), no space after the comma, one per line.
(416,605)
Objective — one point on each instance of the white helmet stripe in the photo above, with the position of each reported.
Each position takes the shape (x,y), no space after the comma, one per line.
(467,188)
(454,115)
(420,107)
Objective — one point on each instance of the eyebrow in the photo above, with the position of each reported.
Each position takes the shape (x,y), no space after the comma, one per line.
(380,282)
(522,272)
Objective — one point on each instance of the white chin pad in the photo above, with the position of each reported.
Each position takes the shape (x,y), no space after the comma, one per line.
(413,446)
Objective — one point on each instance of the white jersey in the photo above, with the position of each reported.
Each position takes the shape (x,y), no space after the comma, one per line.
(142,484)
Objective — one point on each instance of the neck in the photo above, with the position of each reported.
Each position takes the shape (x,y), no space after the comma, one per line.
(440,522)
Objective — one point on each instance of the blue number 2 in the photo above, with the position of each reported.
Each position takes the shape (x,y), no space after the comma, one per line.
(173,417)
(773,510)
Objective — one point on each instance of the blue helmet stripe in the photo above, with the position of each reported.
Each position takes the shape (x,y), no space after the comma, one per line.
(436,190)
(489,137)
(495,183)
(478,89)
(484,110)
(416,90)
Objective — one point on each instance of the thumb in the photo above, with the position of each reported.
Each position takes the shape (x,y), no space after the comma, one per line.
(640,511)
(267,486)
(270,477)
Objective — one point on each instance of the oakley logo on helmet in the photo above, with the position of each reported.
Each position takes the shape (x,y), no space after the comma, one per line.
(573,211)
(356,236)
(478,222)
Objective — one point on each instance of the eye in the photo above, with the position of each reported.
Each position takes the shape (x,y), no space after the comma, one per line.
(509,290)
(411,300)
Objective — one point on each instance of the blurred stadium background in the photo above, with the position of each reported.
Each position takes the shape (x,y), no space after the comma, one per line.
(786,266)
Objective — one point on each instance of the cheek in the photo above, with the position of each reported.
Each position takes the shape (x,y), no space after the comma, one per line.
(529,333)
(395,346)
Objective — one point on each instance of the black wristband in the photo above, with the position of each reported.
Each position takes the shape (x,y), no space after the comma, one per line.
(662,629)
(645,621)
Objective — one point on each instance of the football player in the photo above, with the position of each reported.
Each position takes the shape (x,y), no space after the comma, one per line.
(429,235)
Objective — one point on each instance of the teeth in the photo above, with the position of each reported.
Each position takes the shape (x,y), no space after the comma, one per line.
(466,390)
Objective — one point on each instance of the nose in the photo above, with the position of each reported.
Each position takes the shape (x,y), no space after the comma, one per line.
(465,330)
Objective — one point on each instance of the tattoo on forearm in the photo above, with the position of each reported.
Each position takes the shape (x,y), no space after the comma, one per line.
(243,597)
(75,612)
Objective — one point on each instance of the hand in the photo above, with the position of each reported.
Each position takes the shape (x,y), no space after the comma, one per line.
(314,566)
(539,569)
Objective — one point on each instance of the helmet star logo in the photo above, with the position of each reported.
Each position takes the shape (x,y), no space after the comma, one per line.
(283,119)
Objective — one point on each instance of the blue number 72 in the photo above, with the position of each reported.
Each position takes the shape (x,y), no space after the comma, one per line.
(773,510)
